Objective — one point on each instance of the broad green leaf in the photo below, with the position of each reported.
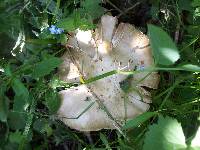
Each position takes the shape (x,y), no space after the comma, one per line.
(19,88)
(84,24)
(21,103)
(164,49)
(17,120)
(195,3)
(15,137)
(46,66)
(52,101)
(10,146)
(81,22)
(21,99)
(75,22)
(7,71)
(67,24)
(195,144)
(167,134)
(139,120)
(93,8)
(190,67)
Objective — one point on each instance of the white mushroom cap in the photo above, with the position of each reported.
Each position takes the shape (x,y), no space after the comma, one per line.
(94,118)
(109,48)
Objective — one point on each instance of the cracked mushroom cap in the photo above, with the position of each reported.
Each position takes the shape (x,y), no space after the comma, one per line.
(103,104)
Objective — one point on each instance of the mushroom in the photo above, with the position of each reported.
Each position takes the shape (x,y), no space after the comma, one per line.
(103,104)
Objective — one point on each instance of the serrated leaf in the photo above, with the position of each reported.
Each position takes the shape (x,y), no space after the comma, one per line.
(167,134)
(75,22)
(84,24)
(139,120)
(42,126)
(81,22)
(15,137)
(67,24)
(164,49)
(39,125)
(48,130)
(46,66)
(52,101)
(92,8)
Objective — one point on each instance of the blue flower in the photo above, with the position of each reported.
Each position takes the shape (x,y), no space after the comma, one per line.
(52,29)
(55,30)
(59,31)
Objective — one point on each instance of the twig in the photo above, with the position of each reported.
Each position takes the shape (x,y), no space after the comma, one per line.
(113,5)
(127,10)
